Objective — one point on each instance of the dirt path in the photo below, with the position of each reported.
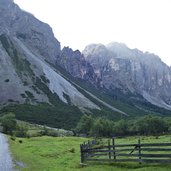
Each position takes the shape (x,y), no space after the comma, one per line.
(5,157)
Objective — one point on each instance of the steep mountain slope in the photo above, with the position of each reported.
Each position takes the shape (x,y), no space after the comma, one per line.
(37,35)
(130,71)
(32,85)
(25,43)
(31,73)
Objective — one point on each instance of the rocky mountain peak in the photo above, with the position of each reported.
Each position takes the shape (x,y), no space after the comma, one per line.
(75,63)
(72,54)
(94,49)
(116,45)
(131,70)
(122,51)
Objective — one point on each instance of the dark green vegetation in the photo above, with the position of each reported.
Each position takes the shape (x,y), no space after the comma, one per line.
(9,123)
(10,126)
(61,116)
(63,154)
(102,127)
(22,65)
(16,128)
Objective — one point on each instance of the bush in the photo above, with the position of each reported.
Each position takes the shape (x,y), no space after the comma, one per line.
(85,124)
(121,128)
(9,123)
(150,125)
(102,128)
(21,130)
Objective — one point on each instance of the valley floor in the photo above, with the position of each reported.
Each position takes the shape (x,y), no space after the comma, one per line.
(63,154)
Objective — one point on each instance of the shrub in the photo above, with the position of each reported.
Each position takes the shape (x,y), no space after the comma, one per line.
(9,123)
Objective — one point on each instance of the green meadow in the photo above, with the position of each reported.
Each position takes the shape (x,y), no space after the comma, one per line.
(63,154)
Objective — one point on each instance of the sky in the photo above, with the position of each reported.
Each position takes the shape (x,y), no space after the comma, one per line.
(141,24)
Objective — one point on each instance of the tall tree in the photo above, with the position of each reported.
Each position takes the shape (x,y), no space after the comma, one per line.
(85,124)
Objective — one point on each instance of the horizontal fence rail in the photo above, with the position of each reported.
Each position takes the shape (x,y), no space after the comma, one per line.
(140,152)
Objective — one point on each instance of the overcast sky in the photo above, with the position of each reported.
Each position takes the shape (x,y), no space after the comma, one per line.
(142,24)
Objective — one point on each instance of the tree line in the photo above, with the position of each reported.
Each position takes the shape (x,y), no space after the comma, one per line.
(103,127)
(96,126)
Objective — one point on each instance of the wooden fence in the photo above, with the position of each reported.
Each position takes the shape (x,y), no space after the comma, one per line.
(140,152)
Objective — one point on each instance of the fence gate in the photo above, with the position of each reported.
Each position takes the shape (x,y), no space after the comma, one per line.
(139,152)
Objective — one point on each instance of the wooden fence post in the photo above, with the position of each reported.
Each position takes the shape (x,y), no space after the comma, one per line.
(89,144)
(139,150)
(109,149)
(82,153)
(113,144)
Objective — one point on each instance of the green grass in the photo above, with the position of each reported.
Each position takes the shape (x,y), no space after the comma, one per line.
(55,154)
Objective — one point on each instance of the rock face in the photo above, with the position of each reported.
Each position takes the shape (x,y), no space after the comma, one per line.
(37,35)
(27,78)
(39,38)
(131,71)
(27,47)
(75,63)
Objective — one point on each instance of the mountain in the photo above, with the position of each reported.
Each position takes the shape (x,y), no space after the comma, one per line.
(40,82)
(29,85)
(131,72)
(44,84)
(26,44)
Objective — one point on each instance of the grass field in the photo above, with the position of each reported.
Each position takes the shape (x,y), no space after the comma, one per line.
(62,154)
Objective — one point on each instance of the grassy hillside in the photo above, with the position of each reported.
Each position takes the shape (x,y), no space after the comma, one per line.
(62,154)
